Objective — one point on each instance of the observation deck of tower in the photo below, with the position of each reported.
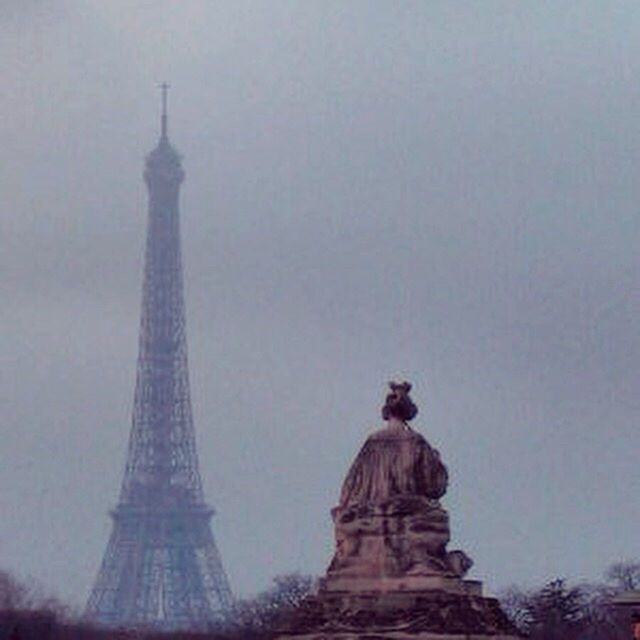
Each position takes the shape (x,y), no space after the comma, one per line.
(161,568)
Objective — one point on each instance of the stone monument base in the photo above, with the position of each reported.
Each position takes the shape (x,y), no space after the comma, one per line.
(454,614)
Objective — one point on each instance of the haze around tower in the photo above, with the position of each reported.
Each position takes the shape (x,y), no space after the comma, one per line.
(441,193)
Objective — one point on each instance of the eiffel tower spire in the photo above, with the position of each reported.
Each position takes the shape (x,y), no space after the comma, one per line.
(164,87)
(161,567)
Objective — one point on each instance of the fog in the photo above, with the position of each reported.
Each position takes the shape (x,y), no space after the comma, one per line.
(437,191)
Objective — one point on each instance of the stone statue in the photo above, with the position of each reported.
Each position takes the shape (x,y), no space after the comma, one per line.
(391,575)
(389,522)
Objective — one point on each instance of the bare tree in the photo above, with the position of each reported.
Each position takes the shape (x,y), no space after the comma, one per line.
(253,617)
(558,611)
(27,595)
(13,593)
(515,603)
(624,575)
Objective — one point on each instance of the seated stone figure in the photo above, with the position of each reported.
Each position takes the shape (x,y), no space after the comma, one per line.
(389,522)
(391,577)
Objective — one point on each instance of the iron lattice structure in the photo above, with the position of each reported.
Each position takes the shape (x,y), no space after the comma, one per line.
(161,567)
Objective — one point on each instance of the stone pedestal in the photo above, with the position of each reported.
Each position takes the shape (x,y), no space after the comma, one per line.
(392,577)
(395,615)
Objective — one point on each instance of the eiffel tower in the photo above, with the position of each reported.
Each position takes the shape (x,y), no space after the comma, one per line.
(161,568)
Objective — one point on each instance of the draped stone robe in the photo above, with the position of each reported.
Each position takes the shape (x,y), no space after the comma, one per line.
(394,461)
(389,522)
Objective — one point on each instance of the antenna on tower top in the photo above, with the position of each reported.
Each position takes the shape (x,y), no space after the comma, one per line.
(164,88)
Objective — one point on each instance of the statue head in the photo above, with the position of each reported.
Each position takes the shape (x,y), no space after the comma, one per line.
(398,404)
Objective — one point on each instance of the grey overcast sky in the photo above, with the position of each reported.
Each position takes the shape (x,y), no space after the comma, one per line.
(447,192)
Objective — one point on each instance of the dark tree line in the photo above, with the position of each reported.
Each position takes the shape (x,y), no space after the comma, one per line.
(559,611)
(556,611)
(26,613)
